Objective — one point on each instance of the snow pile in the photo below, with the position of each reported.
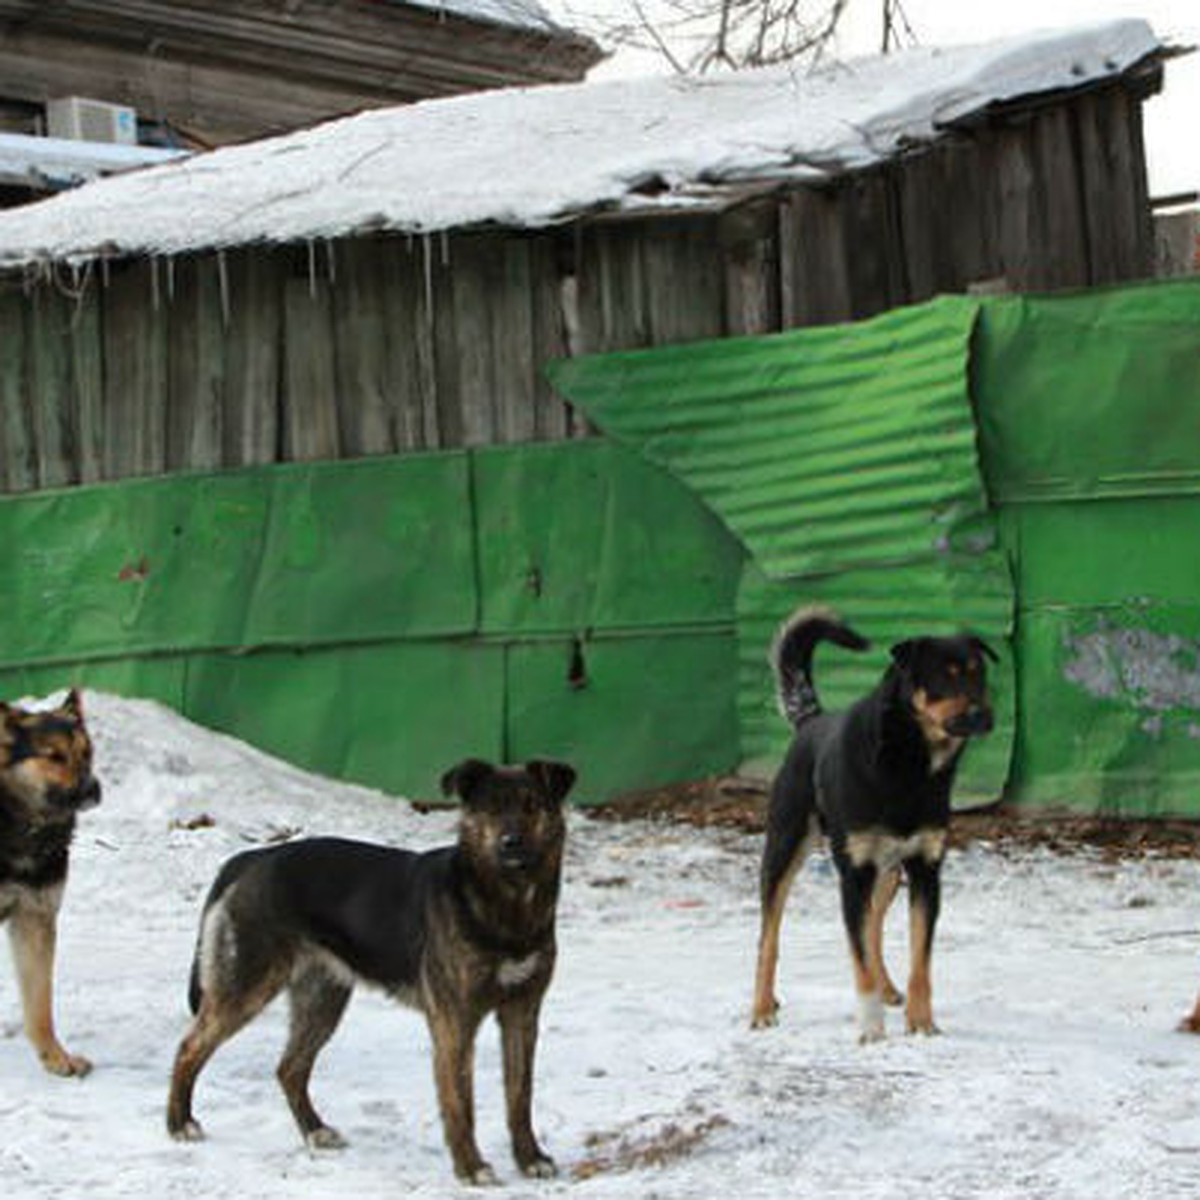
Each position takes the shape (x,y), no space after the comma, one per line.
(528,157)
(1057,982)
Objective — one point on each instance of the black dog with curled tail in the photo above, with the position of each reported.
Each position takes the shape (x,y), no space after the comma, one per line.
(876,780)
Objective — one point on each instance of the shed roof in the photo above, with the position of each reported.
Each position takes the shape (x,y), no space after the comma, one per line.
(530,157)
(521,14)
(44,162)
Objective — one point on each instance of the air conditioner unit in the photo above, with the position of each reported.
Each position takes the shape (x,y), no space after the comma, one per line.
(84,120)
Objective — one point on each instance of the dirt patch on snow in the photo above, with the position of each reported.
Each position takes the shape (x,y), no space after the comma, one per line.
(733,803)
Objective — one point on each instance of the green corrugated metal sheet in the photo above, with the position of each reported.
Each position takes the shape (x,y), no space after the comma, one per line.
(592,537)
(844,459)
(1090,394)
(821,449)
(1090,422)
(381,619)
(392,714)
(295,555)
(653,709)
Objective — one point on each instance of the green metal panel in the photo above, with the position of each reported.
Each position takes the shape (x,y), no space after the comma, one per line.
(158,677)
(356,618)
(278,555)
(844,459)
(588,536)
(393,715)
(1091,394)
(1109,646)
(1090,424)
(821,449)
(649,709)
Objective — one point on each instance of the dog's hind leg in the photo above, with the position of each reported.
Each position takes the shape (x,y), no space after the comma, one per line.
(924,898)
(886,886)
(216,1022)
(1191,1023)
(318,1000)
(236,982)
(32,931)
(787,846)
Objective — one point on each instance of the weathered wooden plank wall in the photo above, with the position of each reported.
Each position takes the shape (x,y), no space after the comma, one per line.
(384,344)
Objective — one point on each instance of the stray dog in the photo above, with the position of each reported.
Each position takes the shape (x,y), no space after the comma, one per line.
(45,779)
(876,780)
(457,932)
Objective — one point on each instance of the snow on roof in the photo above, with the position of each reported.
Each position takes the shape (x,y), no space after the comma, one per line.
(43,162)
(521,14)
(530,157)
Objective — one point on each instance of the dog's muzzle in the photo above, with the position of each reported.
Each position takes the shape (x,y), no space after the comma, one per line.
(514,853)
(975,722)
(86,795)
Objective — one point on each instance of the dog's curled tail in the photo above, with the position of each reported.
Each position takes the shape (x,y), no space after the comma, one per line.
(792,654)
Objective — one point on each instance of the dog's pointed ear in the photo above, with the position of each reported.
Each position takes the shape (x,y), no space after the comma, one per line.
(555,778)
(73,704)
(904,654)
(977,643)
(465,779)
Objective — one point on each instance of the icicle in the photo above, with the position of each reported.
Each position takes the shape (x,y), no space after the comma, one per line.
(428,257)
(223,281)
(312,269)
(154,297)
(445,248)
(80,278)
(104,272)
(330,263)
(170,279)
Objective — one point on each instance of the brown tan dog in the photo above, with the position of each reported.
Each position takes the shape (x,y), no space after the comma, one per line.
(45,779)
(458,933)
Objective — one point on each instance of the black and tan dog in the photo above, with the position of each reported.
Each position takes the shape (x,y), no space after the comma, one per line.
(457,932)
(45,779)
(876,780)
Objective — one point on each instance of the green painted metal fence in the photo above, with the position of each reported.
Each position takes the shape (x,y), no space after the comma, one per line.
(1089,415)
(381,619)
(844,460)
(1025,467)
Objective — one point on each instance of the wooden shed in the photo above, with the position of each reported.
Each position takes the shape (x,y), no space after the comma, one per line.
(211,73)
(397,280)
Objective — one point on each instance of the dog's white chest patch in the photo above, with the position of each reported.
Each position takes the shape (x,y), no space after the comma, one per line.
(513,972)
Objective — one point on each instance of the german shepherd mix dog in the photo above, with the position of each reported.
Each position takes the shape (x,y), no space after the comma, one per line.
(458,933)
(45,779)
(876,780)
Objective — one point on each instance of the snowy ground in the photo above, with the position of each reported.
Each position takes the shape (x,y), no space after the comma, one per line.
(1057,982)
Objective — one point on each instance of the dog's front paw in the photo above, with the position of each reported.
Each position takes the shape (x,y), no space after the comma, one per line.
(58,1062)
(765,1015)
(870,1019)
(541,1167)
(190,1131)
(480,1176)
(324,1138)
(924,1026)
(1189,1024)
